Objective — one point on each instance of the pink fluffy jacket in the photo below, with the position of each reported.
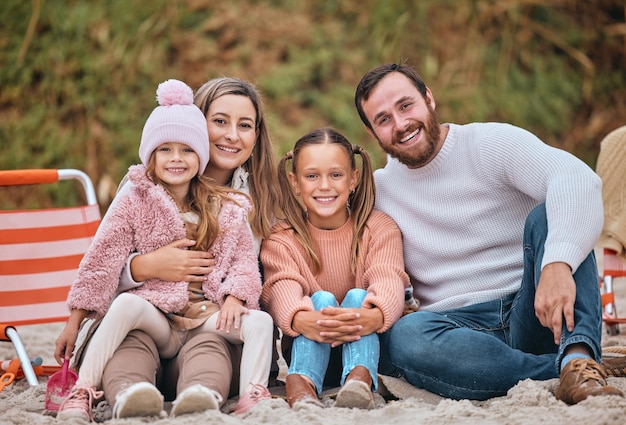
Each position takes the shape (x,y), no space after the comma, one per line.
(147,218)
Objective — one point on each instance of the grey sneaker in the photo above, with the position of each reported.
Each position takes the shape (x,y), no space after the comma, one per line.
(196,398)
(140,399)
(355,394)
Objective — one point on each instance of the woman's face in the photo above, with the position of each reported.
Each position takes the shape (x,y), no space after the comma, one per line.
(231,121)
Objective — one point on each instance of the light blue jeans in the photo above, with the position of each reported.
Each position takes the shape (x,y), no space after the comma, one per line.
(481,351)
(310,358)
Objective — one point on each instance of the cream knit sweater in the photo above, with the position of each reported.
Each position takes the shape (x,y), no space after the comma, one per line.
(289,280)
(462,215)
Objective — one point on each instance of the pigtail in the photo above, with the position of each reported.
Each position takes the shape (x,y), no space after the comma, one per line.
(293,210)
(361,203)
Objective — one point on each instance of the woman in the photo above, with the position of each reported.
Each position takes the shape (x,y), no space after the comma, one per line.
(242,158)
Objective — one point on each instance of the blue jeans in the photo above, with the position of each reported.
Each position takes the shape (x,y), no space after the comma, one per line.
(481,351)
(310,358)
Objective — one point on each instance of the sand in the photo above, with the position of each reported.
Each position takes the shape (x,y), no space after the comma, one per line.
(529,402)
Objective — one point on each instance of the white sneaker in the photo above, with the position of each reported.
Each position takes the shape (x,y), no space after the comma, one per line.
(196,398)
(140,399)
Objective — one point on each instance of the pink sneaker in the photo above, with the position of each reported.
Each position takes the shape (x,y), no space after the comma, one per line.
(78,403)
(250,399)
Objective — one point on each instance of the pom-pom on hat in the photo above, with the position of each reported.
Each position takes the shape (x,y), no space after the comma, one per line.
(176,119)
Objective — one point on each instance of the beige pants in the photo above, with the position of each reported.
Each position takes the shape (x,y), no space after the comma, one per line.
(205,359)
(130,312)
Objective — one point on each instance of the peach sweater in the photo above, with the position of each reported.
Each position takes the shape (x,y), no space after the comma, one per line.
(289,279)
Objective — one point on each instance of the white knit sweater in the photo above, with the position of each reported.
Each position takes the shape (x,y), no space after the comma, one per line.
(462,215)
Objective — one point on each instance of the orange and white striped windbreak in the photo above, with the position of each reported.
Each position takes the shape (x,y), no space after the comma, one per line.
(40,251)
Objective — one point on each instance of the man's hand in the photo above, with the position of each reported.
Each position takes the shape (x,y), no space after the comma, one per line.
(555,297)
(174,263)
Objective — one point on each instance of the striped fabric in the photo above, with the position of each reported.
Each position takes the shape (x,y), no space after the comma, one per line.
(613,267)
(40,251)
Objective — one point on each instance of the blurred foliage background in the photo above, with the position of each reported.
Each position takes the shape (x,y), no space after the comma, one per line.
(78,78)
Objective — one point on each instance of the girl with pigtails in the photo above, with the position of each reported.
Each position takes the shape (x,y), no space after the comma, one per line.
(334,270)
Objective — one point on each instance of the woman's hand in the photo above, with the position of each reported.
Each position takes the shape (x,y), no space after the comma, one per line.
(174,263)
(229,316)
(65,343)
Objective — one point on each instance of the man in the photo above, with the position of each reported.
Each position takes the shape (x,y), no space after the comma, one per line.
(498,230)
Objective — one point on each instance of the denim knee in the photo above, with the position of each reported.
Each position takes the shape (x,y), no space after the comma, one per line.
(323,299)
(538,215)
(409,328)
(536,226)
(354,298)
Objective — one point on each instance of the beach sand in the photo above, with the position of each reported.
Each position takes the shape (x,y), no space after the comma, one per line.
(528,402)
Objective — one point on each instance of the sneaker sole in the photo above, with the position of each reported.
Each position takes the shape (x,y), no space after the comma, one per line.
(193,402)
(141,401)
(355,394)
(70,414)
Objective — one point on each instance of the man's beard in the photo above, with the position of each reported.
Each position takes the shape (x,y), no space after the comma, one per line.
(421,154)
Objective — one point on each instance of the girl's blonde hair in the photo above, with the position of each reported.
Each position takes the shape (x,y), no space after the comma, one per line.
(361,200)
(261,165)
(203,198)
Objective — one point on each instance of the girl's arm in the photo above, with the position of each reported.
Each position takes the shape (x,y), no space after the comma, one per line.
(287,286)
(384,275)
(98,275)
(64,345)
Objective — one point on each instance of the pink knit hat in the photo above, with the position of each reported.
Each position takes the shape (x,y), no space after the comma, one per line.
(176,119)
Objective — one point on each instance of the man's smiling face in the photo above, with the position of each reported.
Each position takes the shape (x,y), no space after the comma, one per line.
(403,121)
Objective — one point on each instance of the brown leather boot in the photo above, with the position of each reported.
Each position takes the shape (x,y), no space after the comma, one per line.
(582,378)
(298,389)
(357,390)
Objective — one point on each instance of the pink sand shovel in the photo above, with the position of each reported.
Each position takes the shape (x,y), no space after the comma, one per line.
(59,385)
